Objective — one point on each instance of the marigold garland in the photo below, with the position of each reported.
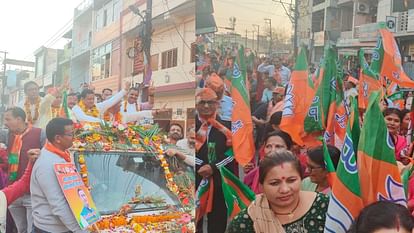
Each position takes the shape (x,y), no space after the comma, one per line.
(83,170)
(55,112)
(28,110)
(94,112)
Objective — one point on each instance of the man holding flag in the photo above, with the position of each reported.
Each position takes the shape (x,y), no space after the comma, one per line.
(213,139)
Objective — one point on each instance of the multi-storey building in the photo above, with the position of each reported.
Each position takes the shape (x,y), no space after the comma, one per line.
(352,25)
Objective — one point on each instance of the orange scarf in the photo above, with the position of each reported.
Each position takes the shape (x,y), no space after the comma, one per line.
(201,136)
(63,154)
(14,155)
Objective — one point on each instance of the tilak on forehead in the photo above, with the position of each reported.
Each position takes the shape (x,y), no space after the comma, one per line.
(205,94)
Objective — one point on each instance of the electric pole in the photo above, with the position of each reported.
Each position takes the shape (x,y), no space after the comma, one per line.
(258,33)
(253,41)
(147,46)
(295,35)
(3,86)
(270,42)
(245,41)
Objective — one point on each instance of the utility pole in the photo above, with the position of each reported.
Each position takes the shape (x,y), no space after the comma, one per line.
(3,86)
(258,34)
(245,41)
(270,42)
(253,41)
(147,44)
(295,35)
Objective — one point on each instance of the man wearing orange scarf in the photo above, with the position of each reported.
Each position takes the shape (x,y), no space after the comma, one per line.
(213,139)
(51,211)
(21,138)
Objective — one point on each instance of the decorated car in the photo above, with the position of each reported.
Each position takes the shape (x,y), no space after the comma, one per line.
(135,187)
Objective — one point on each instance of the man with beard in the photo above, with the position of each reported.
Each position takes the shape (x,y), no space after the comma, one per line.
(31,103)
(175,133)
(21,138)
(213,139)
(185,151)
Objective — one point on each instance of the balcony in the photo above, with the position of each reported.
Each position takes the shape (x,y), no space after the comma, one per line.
(81,47)
(83,7)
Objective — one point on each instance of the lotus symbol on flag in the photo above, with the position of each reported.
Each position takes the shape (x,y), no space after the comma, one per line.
(236,71)
(394,192)
(288,105)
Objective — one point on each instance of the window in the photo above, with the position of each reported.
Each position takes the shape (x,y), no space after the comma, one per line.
(154,62)
(193,52)
(105,18)
(169,59)
(117,10)
(101,58)
(402,5)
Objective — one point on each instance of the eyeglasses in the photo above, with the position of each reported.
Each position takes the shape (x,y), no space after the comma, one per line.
(68,134)
(210,102)
(311,168)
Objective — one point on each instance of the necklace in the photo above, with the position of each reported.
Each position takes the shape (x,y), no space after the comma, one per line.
(291,213)
(126,104)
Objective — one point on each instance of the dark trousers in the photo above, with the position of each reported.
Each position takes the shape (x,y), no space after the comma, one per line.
(217,218)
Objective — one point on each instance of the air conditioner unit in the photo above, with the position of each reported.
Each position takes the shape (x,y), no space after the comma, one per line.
(362,8)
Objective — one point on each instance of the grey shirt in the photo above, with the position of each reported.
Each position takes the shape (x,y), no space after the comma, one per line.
(51,211)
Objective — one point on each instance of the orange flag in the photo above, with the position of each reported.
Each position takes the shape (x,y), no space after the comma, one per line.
(298,99)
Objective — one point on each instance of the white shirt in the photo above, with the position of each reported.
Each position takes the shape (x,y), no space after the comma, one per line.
(102,107)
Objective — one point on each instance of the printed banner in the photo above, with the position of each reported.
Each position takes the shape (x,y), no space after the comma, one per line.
(77,195)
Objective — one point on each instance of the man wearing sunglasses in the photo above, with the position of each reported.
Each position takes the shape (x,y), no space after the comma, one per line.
(213,139)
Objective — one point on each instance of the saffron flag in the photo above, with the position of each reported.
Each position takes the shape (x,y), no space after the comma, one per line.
(369,80)
(204,198)
(64,110)
(298,98)
(328,164)
(388,56)
(324,101)
(397,100)
(242,126)
(379,175)
(340,114)
(345,201)
(236,194)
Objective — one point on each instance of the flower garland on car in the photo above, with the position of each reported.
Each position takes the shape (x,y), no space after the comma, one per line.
(145,138)
(28,110)
(94,112)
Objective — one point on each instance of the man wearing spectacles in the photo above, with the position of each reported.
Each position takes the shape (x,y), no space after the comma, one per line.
(212,141)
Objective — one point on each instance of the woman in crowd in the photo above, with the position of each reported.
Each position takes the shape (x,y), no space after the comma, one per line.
(393,118)
(282,207)
(318,175)
(405,124)
(276,140)
(383,217)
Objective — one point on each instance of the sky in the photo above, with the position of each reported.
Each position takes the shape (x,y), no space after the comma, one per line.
(248,12)
(26,25)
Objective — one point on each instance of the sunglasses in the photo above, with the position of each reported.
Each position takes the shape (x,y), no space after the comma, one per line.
(209,102)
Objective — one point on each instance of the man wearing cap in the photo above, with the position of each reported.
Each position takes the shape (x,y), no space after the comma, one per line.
(350,87)
(215,83)
(213,139)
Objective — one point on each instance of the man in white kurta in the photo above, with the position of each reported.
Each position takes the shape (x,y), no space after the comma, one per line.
(88,99)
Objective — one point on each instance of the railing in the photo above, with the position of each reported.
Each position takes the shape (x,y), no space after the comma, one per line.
(81,47)
(83,7)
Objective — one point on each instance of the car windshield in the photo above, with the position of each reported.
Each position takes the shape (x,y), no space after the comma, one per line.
(114,178)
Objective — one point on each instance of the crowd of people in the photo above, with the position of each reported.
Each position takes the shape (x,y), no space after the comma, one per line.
(290,181)
(37,134)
